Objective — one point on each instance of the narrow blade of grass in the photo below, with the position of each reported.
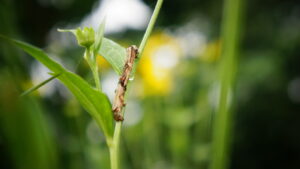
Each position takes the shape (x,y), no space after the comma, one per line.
(27,92)
(223,121)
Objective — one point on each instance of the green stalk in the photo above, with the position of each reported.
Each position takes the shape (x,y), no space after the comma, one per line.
(89,56)
(96,77)
(150,27)
(114,146)
(223,121)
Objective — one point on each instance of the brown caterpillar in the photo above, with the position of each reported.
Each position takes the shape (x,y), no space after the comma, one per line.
(119,103)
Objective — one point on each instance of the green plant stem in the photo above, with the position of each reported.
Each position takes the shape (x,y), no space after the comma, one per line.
(114,146)
(89,56)
(222,133)
(96,77)
(150,27)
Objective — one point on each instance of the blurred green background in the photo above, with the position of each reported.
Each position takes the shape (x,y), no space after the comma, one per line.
(174,98)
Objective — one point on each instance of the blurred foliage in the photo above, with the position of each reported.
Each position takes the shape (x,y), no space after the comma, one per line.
(171,109)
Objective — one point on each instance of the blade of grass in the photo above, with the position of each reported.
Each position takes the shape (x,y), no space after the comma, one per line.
(39,85)
(223,120)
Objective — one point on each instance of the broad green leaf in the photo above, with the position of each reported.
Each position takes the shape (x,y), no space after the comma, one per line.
(114,54)
(94,102)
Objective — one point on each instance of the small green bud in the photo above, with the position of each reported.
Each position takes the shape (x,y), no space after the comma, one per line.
(85,37)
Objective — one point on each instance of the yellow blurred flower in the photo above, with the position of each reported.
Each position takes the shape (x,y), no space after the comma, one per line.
(212,51)
(102,63)
(159,58)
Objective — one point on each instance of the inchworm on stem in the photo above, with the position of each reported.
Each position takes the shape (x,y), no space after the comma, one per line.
(132,53)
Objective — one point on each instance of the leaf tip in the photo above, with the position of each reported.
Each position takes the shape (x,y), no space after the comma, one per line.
(64,30)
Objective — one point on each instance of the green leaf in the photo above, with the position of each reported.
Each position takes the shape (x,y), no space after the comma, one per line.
(93,101)
(99,37)
(114,54)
